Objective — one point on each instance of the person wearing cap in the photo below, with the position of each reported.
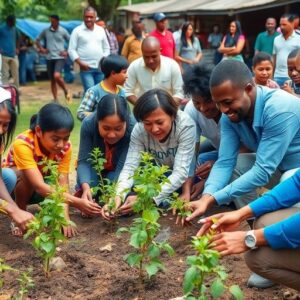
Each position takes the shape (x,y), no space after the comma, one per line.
(9,49)
(54,39)
(165,37)
(153,70)
(88,45)
(132,48)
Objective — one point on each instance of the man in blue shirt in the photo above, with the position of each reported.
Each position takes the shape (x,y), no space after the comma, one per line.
(274,244)
(266,121)
(9,49)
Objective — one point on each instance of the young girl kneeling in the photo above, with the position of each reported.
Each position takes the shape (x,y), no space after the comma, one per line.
(48,137)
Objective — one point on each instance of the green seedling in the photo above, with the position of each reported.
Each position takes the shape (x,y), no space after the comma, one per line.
(148,180)
(205,270)
(105,188)
(181,208)
(24,278)
(47,226)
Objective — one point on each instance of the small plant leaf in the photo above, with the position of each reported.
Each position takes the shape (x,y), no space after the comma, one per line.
(153,251)
(168,248)
(133,259)
(47,247)
(151,215)
(121,230)
(138,239)
(217,288)
(188,282)
(236,292)
(153,268)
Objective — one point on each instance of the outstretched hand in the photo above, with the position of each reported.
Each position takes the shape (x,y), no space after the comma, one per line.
(228,221)
(199,207)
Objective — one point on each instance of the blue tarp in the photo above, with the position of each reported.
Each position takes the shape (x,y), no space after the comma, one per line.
(34,28)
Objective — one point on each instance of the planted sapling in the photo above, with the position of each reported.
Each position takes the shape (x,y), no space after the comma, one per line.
(24,278)
(180,206)
(205,270)
(148,179)
(105,188)
(49,221)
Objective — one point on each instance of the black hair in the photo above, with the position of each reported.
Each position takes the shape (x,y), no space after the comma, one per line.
(52,117)
(289,17)
(153,99)
(294,53)
(196,81)
(184,29)
(113,63)
(232,41)
(231,70)
(6,138)
(261,56)
(111,105)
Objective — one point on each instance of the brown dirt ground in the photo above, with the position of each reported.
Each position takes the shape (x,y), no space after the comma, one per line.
(91,274)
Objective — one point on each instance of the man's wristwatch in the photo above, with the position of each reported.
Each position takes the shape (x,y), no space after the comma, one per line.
(250,240)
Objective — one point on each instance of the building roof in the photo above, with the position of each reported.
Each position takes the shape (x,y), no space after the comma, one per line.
(212,7)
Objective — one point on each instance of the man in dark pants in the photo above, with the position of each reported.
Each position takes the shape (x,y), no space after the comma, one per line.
(55,38)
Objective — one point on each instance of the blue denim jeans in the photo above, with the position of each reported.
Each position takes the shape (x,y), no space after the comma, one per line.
(9,178)
(90,78)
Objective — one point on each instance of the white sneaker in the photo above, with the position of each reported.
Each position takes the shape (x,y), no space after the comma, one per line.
(260,282)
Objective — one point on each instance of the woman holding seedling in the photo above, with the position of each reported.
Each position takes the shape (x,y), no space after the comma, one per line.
(108,129)
(165,132)
(8,119)
(47,138)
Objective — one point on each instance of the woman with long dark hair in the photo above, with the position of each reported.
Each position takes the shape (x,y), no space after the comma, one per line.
(233,42)
(188,49)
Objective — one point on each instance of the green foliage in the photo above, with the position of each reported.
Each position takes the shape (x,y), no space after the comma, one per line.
(49,221)
(180,206)
(24,279)
(205,269)
(41,9)
(148,180)
(106,188)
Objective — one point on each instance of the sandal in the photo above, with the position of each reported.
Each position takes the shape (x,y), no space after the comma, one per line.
(15,230)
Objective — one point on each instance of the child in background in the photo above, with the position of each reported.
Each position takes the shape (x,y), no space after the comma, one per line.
(114,68)
(263,69)
(48,137)
(293,86)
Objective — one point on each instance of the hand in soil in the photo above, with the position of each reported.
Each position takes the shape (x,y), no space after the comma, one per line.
(225,222)
(70,231)
(88,207)
(227,243)
(199,207)
(127,207)
(21,218)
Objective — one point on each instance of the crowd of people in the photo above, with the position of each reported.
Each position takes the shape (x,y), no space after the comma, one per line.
(250,122)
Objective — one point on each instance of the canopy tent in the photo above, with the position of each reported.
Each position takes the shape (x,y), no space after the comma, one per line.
(208,7)
(34,28)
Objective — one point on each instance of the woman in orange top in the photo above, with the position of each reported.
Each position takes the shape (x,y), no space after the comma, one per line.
(48,137)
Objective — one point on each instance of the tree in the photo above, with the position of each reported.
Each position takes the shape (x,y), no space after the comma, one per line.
(105,8)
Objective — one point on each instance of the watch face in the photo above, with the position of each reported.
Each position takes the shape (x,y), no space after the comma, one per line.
(250,241)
